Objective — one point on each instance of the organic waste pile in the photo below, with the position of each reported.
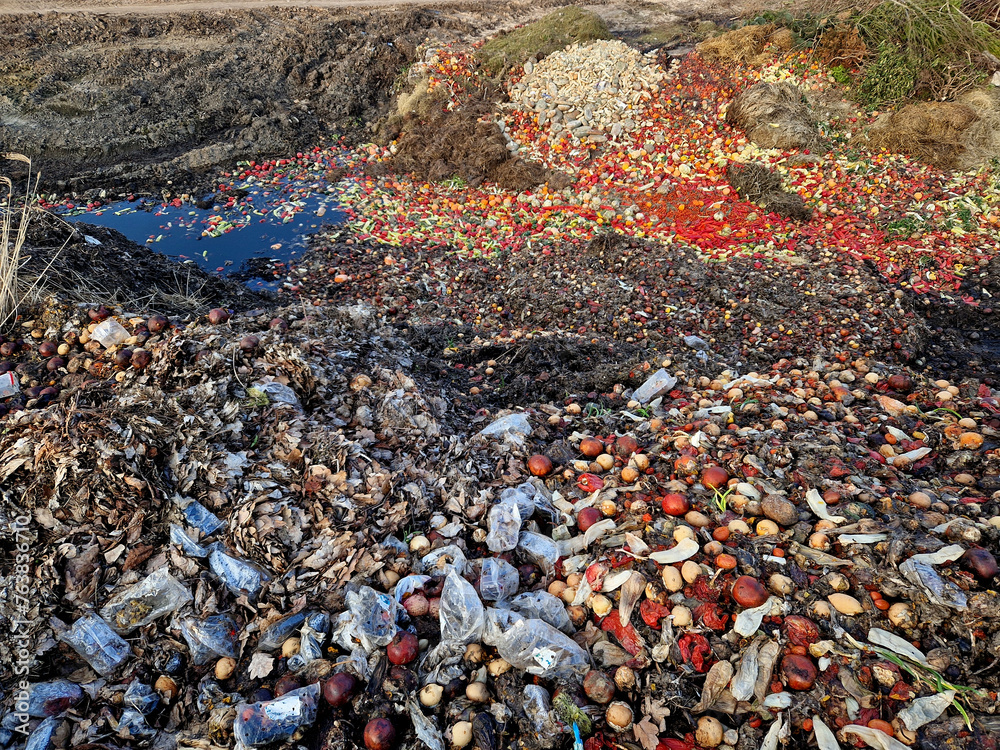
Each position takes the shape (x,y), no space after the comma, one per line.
(323,555)
(528,468)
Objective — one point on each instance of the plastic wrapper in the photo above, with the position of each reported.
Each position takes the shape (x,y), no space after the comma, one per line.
(201,518)
(540,649)
(98,644)
(43,735)
(52,698)
(424,727)
(540,549)
(523,496)
(538,709)
(279,393)
(514,428)
(9,385)
(504,526)
(311,640)
(141,697)
(211,696)
(406,586)
(938,590)
(656,385)
(442,560)
(498,580)
(110,333)
(374,617)
(498,620)
(133,725)
(462,617)
(280,631)
(210,638)
(746,674)
(267,722)
(541,605)
(188,546)
(239,576)
(138,605)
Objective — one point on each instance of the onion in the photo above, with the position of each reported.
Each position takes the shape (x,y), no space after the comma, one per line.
(339,689)
(218,316)
(379,735)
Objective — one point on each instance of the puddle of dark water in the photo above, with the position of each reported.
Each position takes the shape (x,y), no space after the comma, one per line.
(237,236)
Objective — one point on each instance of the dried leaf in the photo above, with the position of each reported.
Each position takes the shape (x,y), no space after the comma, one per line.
(646,734)
(925,710)
(896,644)
(817,506)
(773,735)
(874,738)
(716,681)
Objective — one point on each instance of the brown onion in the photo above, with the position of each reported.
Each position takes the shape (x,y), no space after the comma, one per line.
(218,316)
(591,447)
(539,465)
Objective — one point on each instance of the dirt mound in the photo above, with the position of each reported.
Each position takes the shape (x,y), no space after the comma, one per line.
(774,115)
(744,45)
(89,264)
(133,101)
(543,37)
(756,183)
(934,132)
(460,143)
(841,45)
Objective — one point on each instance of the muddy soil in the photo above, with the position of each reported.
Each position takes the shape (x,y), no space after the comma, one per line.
(156,100)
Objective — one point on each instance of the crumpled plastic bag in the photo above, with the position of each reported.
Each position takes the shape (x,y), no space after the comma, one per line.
(267,722)
(523,496)
(138,605)
(239,576)
(103,649)
(311,640)
(539,649)
(374,617)
(542,605)
(504,524)
(540,549)
(498,580)
(442,560)
(210,638)
(462,616)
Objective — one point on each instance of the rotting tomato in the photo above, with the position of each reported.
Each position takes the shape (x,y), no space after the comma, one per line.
(695,650)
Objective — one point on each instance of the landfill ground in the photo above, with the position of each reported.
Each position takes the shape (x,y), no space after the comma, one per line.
(615,415)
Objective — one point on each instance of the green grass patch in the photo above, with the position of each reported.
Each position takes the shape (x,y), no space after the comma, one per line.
(932,41)
(543,37)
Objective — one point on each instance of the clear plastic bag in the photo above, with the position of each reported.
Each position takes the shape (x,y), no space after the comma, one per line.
(504,525)
(42,736)
(538,709)
(311,640)
(201,518)
(523,496)
(280,631)
(540,649)
(498,580)
(462,617)
(188,546)
(138,605)
(541,605)
(267,722)
(110,333)
(406,586)
(210,638)
(374,617)
(540,549)
(52,698)
(98,644)
(498,621)
(132,725)
(239,576)
(141,697)
(441,561)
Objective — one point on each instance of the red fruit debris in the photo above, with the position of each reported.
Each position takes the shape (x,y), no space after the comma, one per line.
(590,483)
(627,636)
(651,613)
(695,650)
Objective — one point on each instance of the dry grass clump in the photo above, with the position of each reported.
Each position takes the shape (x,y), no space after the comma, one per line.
(950,135)
(774,115)
(756,183)
(739,46)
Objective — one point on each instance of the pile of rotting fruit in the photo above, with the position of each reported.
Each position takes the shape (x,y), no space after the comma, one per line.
(265,531)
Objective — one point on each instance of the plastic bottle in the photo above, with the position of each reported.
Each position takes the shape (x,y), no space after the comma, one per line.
(98,644)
